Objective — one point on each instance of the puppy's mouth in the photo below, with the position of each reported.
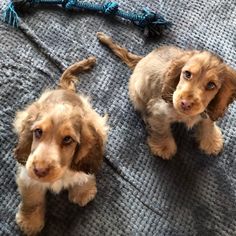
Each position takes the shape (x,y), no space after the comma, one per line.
(45,175)
(187,113)
(187,108)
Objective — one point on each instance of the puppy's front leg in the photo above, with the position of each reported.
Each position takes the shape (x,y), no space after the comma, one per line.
(162,145)
(209,136)
(30,216)
(160,138)
(83,194)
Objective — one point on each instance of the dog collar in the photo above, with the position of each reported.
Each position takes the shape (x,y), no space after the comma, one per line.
(204,115)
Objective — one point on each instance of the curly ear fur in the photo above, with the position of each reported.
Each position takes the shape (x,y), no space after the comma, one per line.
(23,127)
(172,75)
(23,123)
(225,96)
(89,154)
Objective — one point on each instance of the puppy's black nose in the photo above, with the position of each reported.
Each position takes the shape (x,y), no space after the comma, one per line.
(186,105)
(41,172)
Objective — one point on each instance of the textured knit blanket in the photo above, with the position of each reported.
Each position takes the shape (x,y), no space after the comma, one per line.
(138,194)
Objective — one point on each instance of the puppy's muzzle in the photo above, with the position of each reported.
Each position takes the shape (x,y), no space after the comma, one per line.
(41,171)
(186,105)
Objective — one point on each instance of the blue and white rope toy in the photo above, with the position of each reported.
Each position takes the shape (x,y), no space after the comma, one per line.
(150,22)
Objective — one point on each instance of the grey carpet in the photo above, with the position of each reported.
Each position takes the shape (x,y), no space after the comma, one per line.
(138,194)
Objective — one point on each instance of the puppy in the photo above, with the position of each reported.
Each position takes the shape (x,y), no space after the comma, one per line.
(61,144)
(175,85)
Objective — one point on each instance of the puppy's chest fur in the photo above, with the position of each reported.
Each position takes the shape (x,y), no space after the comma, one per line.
(165,112)
(188,121)
(69,179)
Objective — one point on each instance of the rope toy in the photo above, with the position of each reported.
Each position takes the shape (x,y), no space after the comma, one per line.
(150,22)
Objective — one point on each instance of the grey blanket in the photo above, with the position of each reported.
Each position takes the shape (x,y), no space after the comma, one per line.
(138,194)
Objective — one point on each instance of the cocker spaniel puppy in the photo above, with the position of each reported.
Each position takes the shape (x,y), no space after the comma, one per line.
(175,85)
(61,144)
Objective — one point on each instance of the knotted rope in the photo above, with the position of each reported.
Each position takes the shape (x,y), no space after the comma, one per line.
(150,22)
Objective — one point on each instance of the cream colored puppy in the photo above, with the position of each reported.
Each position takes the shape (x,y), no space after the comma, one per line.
(60,146)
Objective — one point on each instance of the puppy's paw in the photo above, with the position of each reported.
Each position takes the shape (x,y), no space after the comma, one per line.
(165,149)
(213,144)
(82,195)
(86,64)
(30,223)
(91,60)
(103,37)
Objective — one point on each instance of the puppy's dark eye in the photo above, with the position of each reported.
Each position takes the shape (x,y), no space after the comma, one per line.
(187,74)
(67,140)
(38,133)
(210,86)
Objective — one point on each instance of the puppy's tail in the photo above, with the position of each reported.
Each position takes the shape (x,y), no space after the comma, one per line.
(129,58)
(68,78)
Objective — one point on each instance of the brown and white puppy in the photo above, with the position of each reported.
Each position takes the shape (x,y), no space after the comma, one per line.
(175,85)
(61,144)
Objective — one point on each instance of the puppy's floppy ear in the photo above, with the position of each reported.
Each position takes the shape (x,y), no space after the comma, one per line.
(22,126)
(225,95)
(172,75)
(89,154)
